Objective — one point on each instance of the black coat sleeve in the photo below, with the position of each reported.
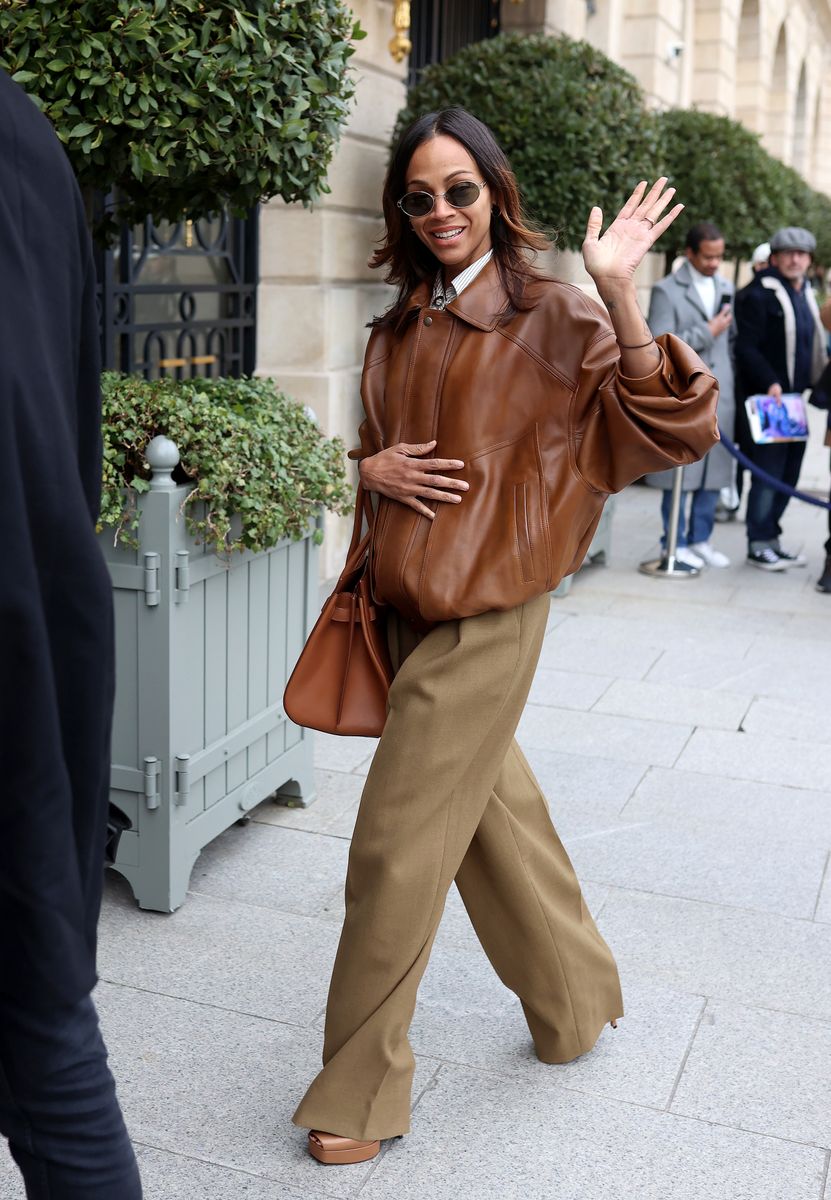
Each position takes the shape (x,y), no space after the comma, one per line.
(56,654)
(752,341)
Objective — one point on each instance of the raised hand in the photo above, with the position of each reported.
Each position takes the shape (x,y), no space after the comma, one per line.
(632,234)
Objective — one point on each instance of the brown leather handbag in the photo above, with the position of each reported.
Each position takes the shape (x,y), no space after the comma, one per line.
(342,677)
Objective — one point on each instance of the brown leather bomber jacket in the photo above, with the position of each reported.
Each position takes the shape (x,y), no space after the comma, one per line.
(546,425)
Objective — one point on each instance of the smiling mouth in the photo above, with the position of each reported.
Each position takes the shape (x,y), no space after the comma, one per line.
(447,235)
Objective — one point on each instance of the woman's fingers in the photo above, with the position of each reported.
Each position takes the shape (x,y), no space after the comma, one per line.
(443,481)
(660,204)
(634,200)
(664,224)
(643,209)
(594,224)
(429,493)
(442,464)
(414,502)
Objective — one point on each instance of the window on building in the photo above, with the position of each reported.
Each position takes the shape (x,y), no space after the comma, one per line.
(441,27)
(180,300)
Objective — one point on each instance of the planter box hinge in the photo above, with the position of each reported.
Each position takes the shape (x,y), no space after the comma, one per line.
(182,778)
(152,770)
(152,595)
(182,576)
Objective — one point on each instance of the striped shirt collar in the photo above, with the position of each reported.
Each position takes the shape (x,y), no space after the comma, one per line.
(442,296)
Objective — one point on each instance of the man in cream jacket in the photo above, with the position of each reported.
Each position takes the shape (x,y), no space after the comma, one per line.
(780,347)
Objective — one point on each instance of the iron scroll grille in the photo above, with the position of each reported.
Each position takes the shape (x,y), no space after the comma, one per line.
(441,27)
(179,300)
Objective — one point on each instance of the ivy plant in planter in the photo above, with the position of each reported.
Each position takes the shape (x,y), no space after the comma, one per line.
(185,108)
(259,464)
(215,586)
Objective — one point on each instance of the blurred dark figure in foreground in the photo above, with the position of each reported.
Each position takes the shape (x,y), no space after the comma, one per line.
(57,1099)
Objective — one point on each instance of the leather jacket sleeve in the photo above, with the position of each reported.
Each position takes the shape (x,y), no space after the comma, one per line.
(624,428)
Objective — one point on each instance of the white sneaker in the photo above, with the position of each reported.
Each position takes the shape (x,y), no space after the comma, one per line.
(685,555)
(713,558)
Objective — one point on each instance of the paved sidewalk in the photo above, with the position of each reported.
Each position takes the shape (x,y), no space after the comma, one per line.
(682,733)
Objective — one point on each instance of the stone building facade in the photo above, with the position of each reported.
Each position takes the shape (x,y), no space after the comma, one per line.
(764,62)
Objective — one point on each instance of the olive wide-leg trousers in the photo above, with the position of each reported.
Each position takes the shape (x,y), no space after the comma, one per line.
(450,796)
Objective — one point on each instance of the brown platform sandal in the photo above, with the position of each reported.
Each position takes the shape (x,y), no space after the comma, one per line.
(331,1148)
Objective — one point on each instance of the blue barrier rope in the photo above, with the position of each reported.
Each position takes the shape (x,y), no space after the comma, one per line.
(770,480)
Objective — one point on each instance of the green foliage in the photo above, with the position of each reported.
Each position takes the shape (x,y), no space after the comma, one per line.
(259,464)
(571,121)
(724,175)
(185,107)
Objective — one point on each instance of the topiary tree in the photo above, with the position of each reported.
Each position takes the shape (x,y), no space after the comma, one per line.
(571,121)
(184,108)
(724,175)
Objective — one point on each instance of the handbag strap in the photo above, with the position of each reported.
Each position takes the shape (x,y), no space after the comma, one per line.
(363,508)
(359,545)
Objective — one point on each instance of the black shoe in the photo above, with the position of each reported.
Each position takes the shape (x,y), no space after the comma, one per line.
(792,560)
(824,581)
(767,560)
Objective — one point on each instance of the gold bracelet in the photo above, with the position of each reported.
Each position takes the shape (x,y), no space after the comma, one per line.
(642,345)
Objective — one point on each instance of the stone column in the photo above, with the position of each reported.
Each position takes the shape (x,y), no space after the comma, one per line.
(713,57)
(316,291)
(654,47)
(545,16)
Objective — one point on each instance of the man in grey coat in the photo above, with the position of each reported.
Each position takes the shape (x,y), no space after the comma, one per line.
(696,304)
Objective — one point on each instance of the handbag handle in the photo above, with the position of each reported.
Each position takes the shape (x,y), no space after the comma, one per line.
(363,508)
(359,545)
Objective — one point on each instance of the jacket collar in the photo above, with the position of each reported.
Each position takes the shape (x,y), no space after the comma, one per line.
(481,304)
(684,278)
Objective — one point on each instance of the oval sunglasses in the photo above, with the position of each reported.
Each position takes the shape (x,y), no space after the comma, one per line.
(460,195)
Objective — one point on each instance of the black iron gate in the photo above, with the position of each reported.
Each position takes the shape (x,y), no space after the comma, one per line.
(441,27)
(180,300)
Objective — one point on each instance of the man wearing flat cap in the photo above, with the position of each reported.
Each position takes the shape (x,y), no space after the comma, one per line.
(780,347)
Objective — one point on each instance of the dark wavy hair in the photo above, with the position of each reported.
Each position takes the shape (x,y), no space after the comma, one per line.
(514,237)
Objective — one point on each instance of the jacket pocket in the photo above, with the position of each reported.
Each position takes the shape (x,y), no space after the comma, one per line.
(491,550)
(523,532)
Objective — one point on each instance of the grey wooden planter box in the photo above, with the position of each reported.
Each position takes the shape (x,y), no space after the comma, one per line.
(204,647)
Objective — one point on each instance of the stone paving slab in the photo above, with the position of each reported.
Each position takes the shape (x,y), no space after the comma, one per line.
(762,1071)
(465,1015)
(601,736)
(669,702)
(167,1176)
(220,1086)
(293,870)
(581,781)
(823,911)
(479,1135)
(216,951)
(337,793)
(787,817)
(567,689)
(749,756)
(776,720)
(727,671)
(725,953)
(630,659)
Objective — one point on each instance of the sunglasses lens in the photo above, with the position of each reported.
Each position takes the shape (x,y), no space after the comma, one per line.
(462,195)
(417,204)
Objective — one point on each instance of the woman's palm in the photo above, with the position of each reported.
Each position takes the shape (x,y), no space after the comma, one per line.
(632,234)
